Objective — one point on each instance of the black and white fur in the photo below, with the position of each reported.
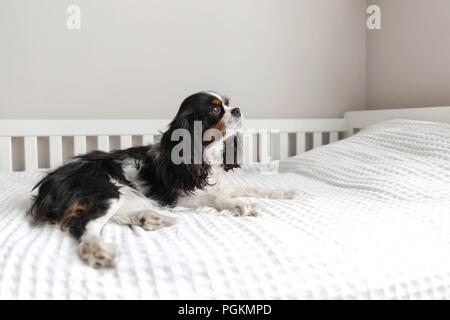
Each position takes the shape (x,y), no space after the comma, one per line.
(128,186)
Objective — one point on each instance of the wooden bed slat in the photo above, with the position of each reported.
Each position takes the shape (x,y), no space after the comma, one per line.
(317,139)
(249,147)
(301,142)
(6,163)
(126,141)
(79,145)
(284,145)
(264,146)
(334,136)
(103,143)
(56,153)
(31,153)
(147,139)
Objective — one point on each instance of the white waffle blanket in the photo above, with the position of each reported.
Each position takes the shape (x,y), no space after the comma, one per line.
(371,220)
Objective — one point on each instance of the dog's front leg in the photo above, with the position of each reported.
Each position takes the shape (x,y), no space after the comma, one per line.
(253,192)
(219,202)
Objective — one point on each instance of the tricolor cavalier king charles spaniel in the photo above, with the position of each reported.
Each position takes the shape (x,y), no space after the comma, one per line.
(128,186)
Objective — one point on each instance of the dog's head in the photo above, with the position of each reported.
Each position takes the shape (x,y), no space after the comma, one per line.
(208,118)
(214,113)
(203,123)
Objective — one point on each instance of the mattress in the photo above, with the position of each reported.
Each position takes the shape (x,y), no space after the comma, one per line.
(371,221)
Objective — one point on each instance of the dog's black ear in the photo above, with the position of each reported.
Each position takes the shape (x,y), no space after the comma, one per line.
(184,119)
(192,173)
(202,170)
(231,153)
(181,121)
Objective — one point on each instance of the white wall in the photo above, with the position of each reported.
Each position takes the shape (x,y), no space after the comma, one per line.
(408,60)
(140,58)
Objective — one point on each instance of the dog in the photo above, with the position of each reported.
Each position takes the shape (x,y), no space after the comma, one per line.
(129,186)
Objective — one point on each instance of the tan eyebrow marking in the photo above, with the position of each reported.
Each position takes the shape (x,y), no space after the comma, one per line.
(226,100)
(216,101)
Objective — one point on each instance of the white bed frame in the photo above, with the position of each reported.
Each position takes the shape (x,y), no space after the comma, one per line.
(361,119)
(289,136)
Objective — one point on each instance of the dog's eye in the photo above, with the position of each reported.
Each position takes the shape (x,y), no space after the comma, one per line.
(214,110)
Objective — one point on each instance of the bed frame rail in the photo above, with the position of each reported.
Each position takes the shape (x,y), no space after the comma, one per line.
(357,120)
(32,144)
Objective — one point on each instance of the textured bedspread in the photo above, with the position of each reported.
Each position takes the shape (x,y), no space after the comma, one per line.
(371,220)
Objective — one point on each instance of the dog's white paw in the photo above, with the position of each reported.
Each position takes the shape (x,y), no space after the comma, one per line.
(152,221)
(241,208)
(290,194)
(98,254)
(180,209)
(255,210)
(283,194)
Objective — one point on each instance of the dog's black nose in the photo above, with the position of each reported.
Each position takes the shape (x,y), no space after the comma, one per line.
(236,112)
